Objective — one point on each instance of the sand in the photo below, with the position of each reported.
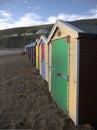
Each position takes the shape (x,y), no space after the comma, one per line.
(25,102)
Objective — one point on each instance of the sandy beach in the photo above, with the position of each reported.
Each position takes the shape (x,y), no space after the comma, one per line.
(25,102)
(11,51)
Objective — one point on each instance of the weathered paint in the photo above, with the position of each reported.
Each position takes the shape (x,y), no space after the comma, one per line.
(59,73)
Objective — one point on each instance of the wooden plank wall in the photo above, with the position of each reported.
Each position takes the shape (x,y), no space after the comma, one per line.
(49,65)
(88,81)
(36,56)
(40,58)
(72,86)
(72,79)
(46,62)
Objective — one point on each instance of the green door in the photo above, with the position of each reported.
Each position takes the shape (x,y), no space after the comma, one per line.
(59,73)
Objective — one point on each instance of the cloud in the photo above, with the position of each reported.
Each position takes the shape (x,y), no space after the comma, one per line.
(72,17)
(31,19)
(5,19)
(4,14)
(94,12)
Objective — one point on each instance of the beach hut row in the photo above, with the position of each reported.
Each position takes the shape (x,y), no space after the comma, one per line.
(67,60)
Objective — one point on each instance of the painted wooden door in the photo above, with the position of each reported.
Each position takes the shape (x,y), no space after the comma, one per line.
(34,55)
(59,74)
(37,56)
(42,61)
(49,65)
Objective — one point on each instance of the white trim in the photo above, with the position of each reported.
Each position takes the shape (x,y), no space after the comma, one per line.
(42,38)
(36,41)
(52,32)
(66,27)
(77,79)
(68,83)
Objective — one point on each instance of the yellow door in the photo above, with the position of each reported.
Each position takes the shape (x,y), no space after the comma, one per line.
(37,56)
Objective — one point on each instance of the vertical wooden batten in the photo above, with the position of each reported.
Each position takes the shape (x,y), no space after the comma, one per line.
(77,79)
(43,57)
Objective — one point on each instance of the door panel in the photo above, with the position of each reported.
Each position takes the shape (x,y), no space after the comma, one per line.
(42,60)
(37,56)
(59,74)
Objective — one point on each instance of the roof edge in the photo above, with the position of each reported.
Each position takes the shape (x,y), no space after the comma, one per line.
(42,37)
(70,29)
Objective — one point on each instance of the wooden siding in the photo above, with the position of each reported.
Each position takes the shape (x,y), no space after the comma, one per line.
(88,81)
(49,65)
(63,34)
(72,85)
(36,56)
(46,62)
(72,79)
(40,59)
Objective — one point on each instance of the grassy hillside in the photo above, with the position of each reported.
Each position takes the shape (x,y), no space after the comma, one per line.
(15,37)
(88,21)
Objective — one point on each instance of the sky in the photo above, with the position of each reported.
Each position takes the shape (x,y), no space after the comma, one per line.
(23,13)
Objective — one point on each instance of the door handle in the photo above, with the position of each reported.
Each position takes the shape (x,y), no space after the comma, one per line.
(64,76)
(58,74)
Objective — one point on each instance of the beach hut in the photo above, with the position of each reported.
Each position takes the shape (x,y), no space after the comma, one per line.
(31,52)
(43,58)
(28,50)
(34,54)
(73,69)
(37,54)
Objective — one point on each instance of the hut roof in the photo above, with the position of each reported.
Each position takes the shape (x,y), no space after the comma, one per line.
(30,45)
(36,41)
(42,38)
(87,28)
(73,29)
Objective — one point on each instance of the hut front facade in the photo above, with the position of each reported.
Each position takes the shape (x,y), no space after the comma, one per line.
(34,54)
(28,49)
(37,54)
(43,57)
(73,70)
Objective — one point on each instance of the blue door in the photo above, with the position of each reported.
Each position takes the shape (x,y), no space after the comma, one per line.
(42,60)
